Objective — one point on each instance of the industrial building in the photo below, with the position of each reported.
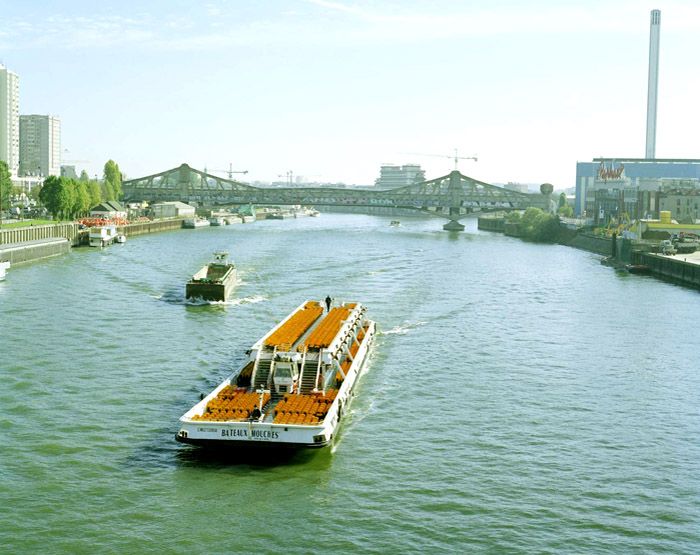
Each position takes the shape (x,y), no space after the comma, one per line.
(173,209)
(601,183)
(615,187)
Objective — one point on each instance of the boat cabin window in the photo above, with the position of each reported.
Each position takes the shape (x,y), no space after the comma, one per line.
(283,371)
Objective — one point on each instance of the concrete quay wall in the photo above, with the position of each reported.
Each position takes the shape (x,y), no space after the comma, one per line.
(140,228)
(34,250)
(491,223)
(590,243)
(672,268)
(38,232)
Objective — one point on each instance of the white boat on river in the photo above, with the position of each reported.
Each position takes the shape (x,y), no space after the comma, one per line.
(295,386)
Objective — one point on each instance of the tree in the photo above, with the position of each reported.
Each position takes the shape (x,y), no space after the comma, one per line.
(95,192)
(113,176)
(84,176)
(81,200)
(66,197)
(546,188)
(58,195)
(564,208)
(513,217)
(107,191)
(562,199)
(35,193)
(537,225)
(5,186)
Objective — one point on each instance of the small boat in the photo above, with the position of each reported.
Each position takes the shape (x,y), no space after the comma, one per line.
(217,221)
(121,238)
(193,223)
(314,213)
(4,266)
(295,387)
(214,282)
(103,235)
(395,223)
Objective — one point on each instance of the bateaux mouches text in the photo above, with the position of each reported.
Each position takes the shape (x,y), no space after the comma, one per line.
(255,434)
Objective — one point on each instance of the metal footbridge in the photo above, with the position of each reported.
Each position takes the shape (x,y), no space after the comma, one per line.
(451,196)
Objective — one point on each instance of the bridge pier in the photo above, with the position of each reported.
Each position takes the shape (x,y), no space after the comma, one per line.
(453,225)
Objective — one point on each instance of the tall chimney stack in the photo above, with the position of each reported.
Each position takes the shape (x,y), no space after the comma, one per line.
(653,83)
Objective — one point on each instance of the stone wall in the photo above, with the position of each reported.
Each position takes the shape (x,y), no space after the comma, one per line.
(34,250)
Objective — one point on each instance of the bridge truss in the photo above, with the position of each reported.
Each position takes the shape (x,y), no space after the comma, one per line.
(451,196)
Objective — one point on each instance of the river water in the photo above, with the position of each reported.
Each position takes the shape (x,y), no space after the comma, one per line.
(521,398)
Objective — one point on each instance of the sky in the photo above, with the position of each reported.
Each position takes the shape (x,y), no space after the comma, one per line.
(331,90)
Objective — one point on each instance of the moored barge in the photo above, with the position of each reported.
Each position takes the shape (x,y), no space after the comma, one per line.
(295,387)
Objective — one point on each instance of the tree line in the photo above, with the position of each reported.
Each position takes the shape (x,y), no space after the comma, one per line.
(68,198)
(536,225)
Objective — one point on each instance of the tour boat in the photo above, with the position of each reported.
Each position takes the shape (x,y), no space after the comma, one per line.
(294,388)
(214,282)
(4,266)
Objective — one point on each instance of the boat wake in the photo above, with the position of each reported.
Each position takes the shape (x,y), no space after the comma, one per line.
(179,299)
(231,302)
(247,300)
(403,329)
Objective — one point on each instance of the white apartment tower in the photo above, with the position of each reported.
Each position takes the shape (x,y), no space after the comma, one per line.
(9,119)
(653,87)
(39,145)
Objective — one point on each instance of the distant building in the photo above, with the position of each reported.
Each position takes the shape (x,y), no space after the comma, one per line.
(683,204)
(69,171)
(391,177)
(39,145)
(174,209)
(634,174)
(9,119)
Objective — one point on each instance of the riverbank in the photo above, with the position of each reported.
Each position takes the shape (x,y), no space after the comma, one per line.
(683,269)
(34,242)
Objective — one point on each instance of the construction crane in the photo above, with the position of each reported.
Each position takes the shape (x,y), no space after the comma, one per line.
(454,156)
(289,176)
(230,171)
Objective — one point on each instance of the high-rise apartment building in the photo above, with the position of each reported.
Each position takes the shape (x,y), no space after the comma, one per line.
(39,145)
(9,119)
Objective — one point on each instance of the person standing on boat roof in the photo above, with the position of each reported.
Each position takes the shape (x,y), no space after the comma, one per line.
(328,303)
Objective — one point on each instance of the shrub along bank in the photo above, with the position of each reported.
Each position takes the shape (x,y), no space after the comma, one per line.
(535,225)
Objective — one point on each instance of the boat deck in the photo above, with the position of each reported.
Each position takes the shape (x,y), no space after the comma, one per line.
(296,326)
(327,330)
